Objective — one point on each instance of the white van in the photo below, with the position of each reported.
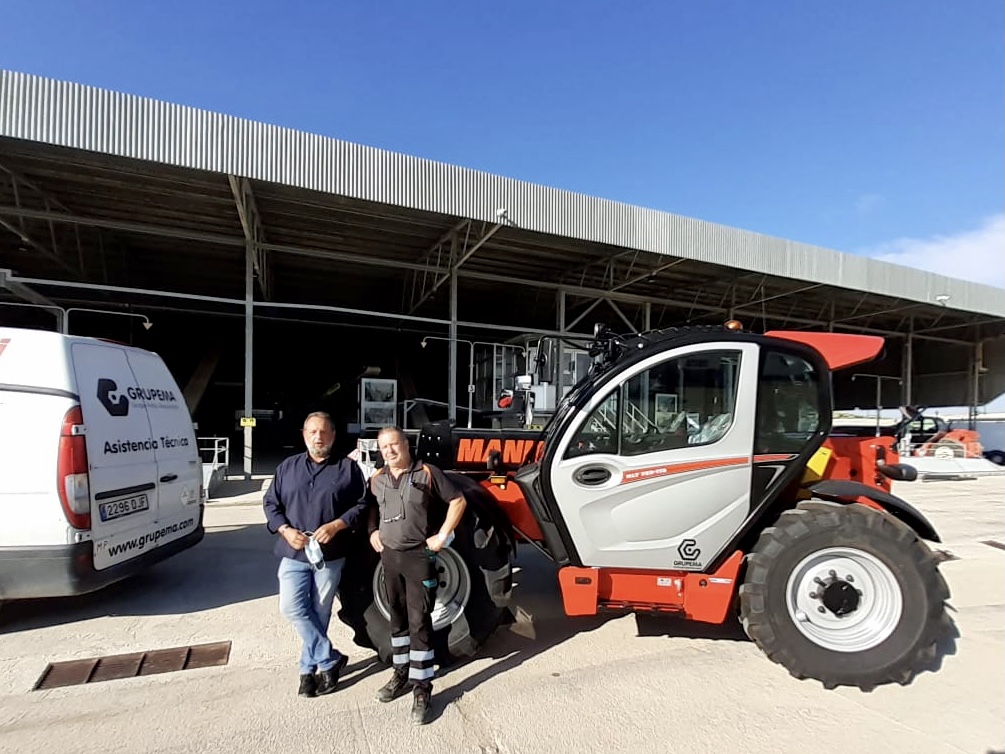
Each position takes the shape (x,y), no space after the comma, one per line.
(99,472)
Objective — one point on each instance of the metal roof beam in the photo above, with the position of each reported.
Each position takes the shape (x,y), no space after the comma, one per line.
(22,291)
(51,249)
(213,238)
(430,263)
(960,324)
(592,293)
(464,255)
(254,232)
(783,295)
(645,275)
(7,279)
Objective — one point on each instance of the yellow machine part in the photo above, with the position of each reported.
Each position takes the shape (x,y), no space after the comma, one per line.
(816,467)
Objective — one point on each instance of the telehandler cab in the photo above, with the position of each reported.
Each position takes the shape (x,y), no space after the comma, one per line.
(692,473)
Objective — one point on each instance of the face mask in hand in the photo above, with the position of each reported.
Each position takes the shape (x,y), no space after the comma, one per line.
(314,554)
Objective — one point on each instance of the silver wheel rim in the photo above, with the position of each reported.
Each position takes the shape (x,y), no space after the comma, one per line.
(452,593)
(809,598)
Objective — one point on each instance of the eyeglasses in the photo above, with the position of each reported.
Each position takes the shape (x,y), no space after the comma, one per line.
(410,482)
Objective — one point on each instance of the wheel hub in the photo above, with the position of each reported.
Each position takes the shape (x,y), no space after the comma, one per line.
(840,597)
(844,599)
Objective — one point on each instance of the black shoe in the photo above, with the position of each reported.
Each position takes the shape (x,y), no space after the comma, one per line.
(397,686)
(308,685)
(421,713)
(328,679)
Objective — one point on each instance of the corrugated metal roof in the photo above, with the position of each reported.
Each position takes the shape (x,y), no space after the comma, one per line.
(72,115)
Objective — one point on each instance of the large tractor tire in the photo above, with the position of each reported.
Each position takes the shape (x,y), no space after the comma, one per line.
(847,595)
(472,596)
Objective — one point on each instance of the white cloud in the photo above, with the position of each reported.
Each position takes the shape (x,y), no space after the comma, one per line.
(977,255)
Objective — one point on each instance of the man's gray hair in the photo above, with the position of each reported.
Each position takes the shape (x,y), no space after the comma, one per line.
(392,428)
(320,415)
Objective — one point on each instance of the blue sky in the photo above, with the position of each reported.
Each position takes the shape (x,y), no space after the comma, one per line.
(861,126)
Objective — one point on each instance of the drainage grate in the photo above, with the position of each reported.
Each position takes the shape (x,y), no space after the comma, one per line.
(993,543)
(78,672)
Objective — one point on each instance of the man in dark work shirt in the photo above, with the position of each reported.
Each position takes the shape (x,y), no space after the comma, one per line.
(314,497)
(405,531)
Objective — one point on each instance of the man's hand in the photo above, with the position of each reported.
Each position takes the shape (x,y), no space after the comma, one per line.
(326,532)
(294,537)
(375,542)
(436,542)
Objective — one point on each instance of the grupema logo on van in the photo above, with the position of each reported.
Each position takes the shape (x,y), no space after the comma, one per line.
(117,403)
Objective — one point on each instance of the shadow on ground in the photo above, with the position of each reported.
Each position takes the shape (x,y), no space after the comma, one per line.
(237,487)
(540,624)
(230,565)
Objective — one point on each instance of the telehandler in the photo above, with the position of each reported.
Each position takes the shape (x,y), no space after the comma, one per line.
(692,473)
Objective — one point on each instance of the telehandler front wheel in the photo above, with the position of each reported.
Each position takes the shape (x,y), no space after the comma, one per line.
(845,594)
(475,582)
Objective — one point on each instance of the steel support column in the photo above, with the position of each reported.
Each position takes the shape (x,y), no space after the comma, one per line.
(452,360)
(978,367)
(909,364)
(560,350)
(249,351)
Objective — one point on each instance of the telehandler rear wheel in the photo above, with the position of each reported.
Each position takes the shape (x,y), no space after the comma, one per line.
(845,594)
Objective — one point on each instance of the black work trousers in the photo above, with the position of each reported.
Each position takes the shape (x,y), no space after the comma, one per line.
(410,578)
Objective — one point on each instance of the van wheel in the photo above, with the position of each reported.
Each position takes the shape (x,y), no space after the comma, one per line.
(845,594)
(475,584)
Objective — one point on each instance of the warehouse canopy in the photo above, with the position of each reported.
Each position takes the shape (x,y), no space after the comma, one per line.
(111,199)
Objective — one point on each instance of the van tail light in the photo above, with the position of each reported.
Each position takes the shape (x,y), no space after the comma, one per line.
(71,471)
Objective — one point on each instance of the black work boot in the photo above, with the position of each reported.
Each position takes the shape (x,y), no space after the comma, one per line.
(394,688)
(308,685)
(421,712)
(328,679)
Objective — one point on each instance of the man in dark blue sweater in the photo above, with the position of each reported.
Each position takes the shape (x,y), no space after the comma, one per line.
(313,502)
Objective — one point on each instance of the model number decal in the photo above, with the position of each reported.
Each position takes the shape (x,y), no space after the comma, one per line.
(650,472)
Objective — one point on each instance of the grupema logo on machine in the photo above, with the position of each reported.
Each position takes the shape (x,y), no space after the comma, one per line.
(117,403)
(689,554)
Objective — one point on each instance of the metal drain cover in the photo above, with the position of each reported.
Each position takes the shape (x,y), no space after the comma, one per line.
(95,669)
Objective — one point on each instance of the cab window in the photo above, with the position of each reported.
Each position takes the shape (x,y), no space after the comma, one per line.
(599,433)
(788,403)
(689,400)
(686,401)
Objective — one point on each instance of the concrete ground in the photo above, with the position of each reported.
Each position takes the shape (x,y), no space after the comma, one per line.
(551,684)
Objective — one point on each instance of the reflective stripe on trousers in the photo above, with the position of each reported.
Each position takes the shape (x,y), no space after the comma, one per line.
(411,605)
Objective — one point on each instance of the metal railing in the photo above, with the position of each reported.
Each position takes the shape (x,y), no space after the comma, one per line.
(214,450)
(636,420)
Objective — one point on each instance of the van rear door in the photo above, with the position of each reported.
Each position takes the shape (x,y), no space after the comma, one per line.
(120,452)
(179,469)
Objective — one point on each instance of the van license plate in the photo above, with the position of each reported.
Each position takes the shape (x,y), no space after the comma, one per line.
(119,508)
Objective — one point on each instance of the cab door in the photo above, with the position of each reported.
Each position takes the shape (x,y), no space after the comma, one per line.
(655,471)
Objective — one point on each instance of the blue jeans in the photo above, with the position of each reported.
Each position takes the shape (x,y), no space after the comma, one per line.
(305,600)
